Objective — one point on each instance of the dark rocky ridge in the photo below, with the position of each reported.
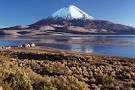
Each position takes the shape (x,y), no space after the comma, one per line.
(98,25)
(75,26)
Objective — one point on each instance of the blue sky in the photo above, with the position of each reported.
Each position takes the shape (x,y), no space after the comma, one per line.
(23,12)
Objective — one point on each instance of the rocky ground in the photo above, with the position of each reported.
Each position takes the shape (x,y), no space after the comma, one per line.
(48,69)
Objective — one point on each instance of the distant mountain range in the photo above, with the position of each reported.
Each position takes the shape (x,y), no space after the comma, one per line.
(71,20)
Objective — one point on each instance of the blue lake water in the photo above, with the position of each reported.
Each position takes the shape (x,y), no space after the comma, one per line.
(102,45)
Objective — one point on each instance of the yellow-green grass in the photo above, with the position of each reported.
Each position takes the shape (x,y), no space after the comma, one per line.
(49,69)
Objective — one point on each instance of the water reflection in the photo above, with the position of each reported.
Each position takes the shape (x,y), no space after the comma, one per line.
(102,45)
(81,48)
(12,42)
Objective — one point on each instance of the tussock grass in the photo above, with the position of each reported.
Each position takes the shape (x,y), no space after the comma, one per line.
(45,69)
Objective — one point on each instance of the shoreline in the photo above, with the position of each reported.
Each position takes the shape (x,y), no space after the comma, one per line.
(28,46)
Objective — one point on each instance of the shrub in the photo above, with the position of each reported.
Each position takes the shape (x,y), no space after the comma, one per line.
(69,83)
(19,81)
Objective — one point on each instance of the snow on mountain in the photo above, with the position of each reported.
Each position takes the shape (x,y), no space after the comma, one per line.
(71,12)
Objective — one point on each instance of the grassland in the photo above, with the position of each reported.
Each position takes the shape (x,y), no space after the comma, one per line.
(46,69)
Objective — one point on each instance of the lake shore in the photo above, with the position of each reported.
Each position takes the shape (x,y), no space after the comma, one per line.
(45,68)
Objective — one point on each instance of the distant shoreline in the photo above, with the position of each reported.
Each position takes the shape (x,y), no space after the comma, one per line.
(72,35)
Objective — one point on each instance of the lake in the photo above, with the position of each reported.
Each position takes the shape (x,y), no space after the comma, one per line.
(122,45)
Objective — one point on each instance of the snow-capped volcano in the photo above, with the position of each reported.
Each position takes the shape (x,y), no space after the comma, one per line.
(70,20)
(71,12)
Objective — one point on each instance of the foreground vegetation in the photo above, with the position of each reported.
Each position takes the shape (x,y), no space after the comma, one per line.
(46,69)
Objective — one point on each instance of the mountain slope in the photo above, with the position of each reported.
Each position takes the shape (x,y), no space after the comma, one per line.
(90,26)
